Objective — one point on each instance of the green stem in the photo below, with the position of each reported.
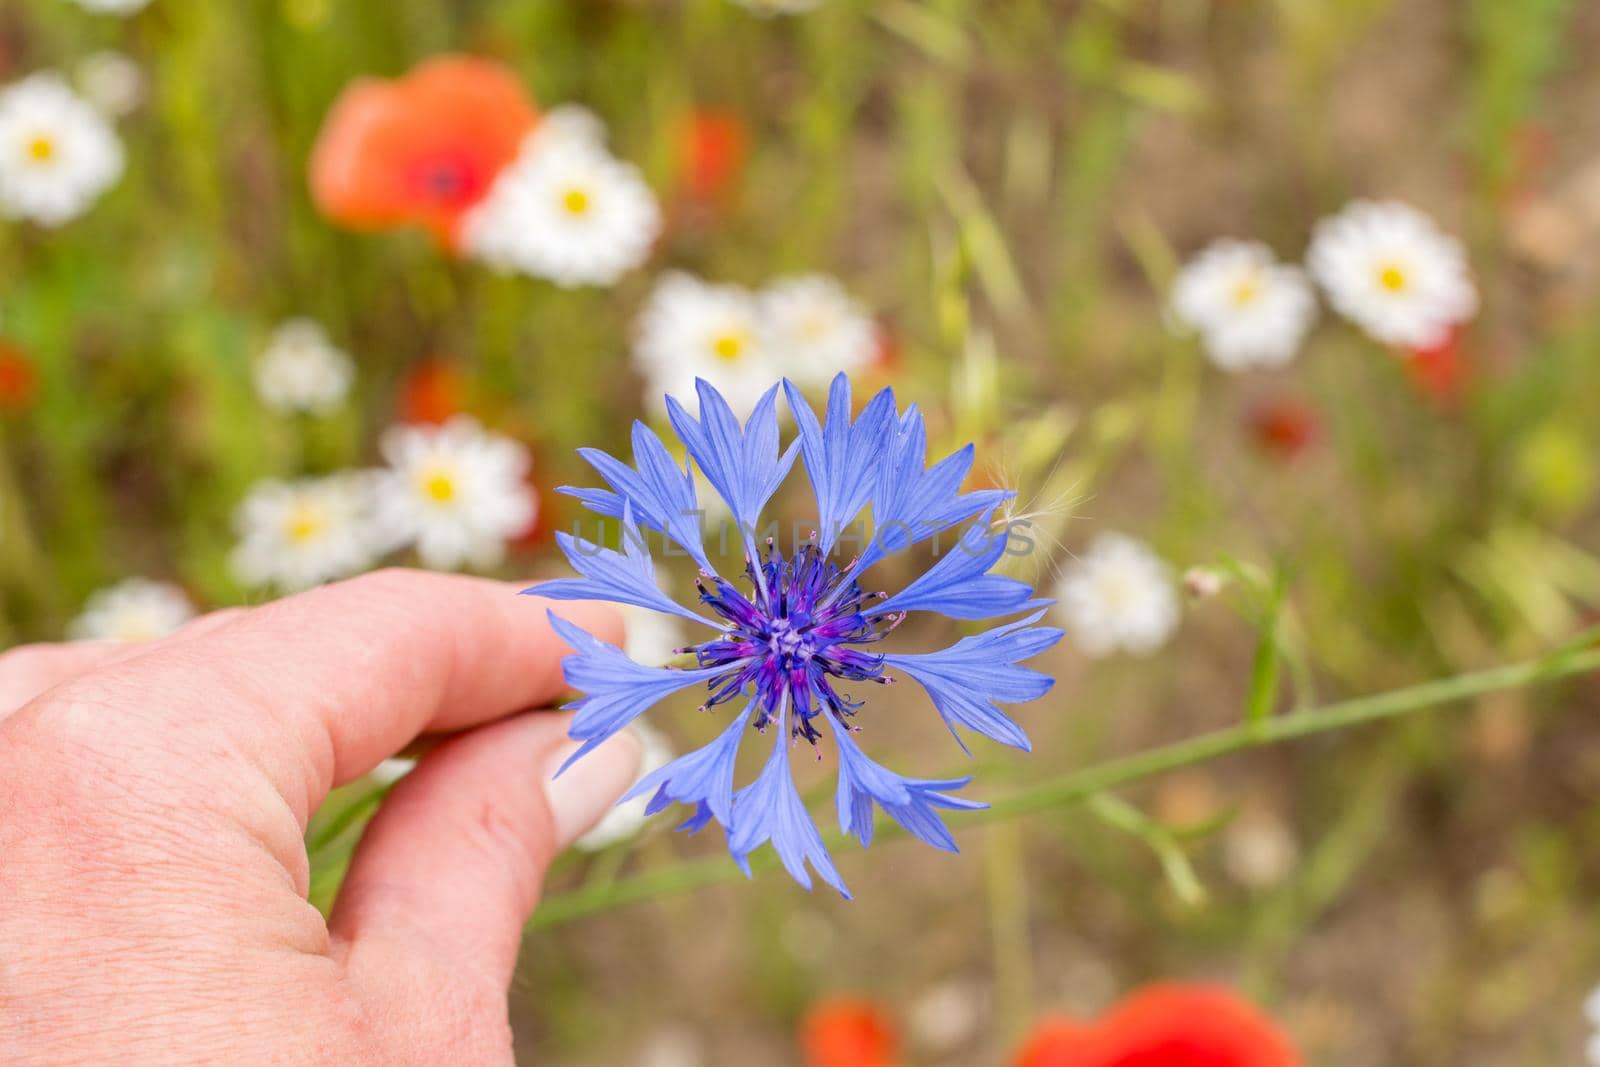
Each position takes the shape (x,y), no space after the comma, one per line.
(1076,786)
(358,809)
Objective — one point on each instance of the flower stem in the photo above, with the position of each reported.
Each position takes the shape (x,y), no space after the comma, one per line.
(1578,657)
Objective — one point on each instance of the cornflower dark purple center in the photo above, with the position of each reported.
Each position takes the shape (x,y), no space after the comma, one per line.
(793,638)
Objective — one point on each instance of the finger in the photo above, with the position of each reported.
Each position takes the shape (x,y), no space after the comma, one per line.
(454,860)
(209,622)
(314,690)
(28,670)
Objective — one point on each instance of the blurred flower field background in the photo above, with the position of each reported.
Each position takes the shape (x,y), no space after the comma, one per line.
(235,363)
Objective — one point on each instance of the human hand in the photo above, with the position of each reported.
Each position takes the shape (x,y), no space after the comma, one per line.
(153,806)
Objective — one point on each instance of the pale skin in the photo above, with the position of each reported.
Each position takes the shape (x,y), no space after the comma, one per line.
(153,806)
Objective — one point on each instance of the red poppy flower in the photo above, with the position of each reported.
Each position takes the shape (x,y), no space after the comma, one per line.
(1440,373)
(1165,1026)
(1284,427)
(432,392)
(712,149)
(849,1032)
(19,380)
(420,150)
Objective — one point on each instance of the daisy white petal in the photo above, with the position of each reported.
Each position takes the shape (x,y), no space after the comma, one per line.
(1389,269)
(627,817)
(110,81)
(455,493)
(136,609)
(817,329)
(566,211)
(567,124)
(299,534)
(1249,310)
(690,329)
(652,638)
(1118,595)
(302,370)
(57,153)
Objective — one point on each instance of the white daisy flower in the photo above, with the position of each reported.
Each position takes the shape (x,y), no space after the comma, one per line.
(653,638)
(113,7)
(391,770)
(1389,269)
(1591,1011)
(691,329)
(566,210)
(779,7)
(302,533)
(1258,849)
(110,81)
(568,124)
(817,329)
(135,609)
(57,153)
(627,818)
(455,492)
(1118,595)
(1249,310)
(302,370)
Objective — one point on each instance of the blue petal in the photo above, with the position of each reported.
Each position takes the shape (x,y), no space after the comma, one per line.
(615,689)
(908,801)
(604,502)
(911,504)
(626,577)
(703,777)
(660,493)
(769,809)
(741,464)
(967,679)
(841,458)
(959,584)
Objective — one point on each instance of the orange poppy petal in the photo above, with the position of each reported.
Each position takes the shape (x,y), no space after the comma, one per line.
(1165,1026)
(849,1032)
(1055,1043)
(420,150)
(1173,1025)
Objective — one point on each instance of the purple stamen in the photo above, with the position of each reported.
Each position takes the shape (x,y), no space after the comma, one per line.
(790,645)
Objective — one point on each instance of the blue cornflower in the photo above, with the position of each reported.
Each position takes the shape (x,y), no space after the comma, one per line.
(782,645)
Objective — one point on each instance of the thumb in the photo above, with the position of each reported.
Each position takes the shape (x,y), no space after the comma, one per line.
(453,862)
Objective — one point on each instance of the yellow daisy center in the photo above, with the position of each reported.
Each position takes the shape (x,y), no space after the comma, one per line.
(1392,278)
(438,486)
(728,347)
(1247,291)
(576,201)
(814,327)
(42,149)
(1118,591)
(136,628)
(306,523)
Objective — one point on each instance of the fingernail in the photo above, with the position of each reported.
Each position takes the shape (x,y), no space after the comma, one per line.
(582,795)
